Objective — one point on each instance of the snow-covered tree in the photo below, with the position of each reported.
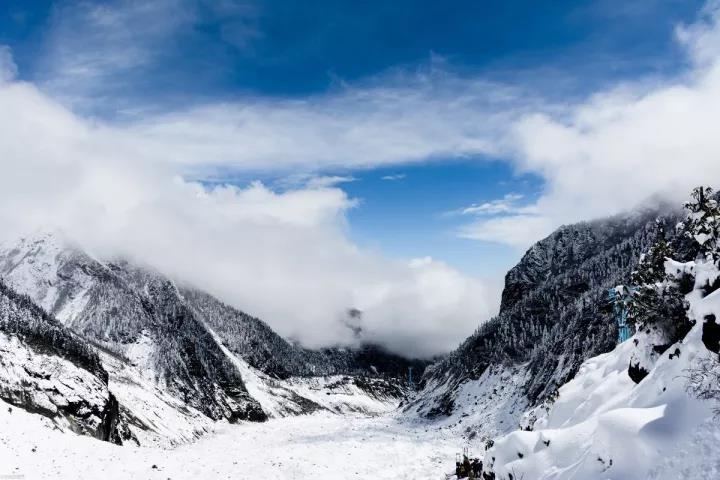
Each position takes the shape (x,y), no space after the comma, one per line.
(704,381)
(653,298)
(651,267)
(702,223)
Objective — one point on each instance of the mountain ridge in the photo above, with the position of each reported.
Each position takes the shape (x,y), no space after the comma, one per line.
(551,320)
(195,348)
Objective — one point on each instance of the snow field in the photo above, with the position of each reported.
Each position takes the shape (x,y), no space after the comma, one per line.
(319,446)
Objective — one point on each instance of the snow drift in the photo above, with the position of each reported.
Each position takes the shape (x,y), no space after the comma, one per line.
(604,426)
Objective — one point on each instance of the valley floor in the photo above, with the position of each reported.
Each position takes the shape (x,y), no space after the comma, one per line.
(320,446)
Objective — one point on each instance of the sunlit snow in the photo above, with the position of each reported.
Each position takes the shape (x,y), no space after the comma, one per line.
(322,446)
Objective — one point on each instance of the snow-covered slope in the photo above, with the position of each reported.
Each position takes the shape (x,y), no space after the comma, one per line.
(474,409)
(179,359)
(50,385)
(299,395)
(321,446)
(150,412)
(605,426)
(47,370)
(135,314)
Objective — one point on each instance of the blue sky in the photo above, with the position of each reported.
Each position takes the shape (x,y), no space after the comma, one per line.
(118,60)
(288,47)
(416,210)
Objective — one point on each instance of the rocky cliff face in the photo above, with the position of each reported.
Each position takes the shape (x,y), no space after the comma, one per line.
(46,369)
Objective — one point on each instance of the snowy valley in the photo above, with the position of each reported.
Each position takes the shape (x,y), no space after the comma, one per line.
(111,370)
(332,240)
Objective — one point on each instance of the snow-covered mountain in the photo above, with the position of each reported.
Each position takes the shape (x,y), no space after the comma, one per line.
(551,320)
(549,390)
(132,313)
(178,358)
(546,390)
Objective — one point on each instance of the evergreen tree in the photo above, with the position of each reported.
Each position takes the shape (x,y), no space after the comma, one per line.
(703,223)
(657,299)
(654,299)
(651,267)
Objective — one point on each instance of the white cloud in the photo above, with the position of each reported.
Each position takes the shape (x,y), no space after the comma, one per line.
(309,180)
(507,205)
(620,147)
(519,231)
(505,220)
(354,127)
(99,58)
(391,178)
(702,38)
(8,69)
(92,47)
(282,256)
(597,157)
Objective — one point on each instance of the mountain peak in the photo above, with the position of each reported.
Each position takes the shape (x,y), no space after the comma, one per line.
(50,268)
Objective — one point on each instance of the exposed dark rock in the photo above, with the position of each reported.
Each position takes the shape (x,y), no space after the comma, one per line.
(637,372)
(443,406)
(711,334)
(108,429)
(710,287)
(686,283)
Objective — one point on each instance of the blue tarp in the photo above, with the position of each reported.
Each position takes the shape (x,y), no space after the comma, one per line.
(620,311)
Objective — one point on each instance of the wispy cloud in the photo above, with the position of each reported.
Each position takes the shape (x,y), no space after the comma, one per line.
(103,57)
(313,180)
(499,221)
(506,205)
(108,60)
(92,49)
(8,69)
(391,178)
(397,120)
(519,231)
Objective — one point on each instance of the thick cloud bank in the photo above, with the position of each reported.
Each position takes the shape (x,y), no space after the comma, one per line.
(282,256)
(619,147)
